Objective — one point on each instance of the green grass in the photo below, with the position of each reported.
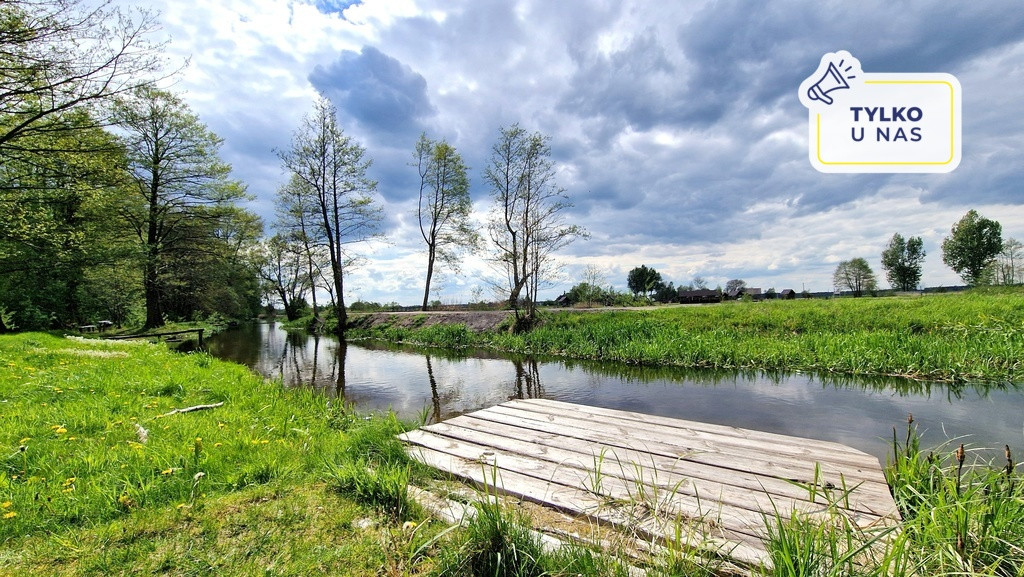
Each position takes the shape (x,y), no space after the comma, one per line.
(976,336)
(97,478)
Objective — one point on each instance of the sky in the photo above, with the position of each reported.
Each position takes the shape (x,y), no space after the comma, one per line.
(675,127)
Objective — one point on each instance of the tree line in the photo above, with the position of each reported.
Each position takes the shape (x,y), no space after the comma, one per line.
(114,198)
(974,249)
(118,206)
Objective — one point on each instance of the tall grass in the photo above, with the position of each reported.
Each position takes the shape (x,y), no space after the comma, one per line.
(964,337)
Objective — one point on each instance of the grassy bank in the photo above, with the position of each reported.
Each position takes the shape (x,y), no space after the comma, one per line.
(977,336)
(102,472)
(100,476)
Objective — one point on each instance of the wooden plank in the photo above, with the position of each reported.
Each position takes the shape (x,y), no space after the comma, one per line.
(782,444)
(741,524)
(755,494)
(677,447)
(648,476)
(590,507)
(780,453)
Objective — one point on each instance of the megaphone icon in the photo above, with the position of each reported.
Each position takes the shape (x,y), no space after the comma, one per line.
(833,79)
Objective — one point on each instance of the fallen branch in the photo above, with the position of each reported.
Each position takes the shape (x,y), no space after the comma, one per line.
(190,409)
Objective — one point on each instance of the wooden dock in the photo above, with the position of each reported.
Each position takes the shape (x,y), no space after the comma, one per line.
(658,478)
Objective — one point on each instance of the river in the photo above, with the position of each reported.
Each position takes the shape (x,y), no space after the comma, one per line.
(440,384)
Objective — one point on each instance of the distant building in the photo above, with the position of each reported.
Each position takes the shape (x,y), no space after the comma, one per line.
(699,296)
(787,294)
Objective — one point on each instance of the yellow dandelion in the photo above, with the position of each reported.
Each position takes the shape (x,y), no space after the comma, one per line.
(264,442)
(167,471)
(199,439)
(221,425)
(10,515)
(182,505)
(68,490)
(217,444)
(25,440)
(6,505)
(72,438)
(60,430)
(70,481)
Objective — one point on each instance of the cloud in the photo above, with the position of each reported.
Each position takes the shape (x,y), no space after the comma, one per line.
(375,90)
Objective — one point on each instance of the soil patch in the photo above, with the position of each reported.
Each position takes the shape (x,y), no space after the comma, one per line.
(477,321)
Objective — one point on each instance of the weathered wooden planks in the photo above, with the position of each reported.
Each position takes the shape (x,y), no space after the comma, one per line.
(651,473)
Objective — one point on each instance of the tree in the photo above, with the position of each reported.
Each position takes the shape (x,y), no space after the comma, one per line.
(971,247)
(735,285)
(443,210)
(854,275)
(526,225)
(282,270)
(183,193)
(699,283)
(902,262)
(643,280)
(332,169)
(58,57)
(55,223)
(1008,268)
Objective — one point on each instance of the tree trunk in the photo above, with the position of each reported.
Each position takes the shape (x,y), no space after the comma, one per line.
(430,275)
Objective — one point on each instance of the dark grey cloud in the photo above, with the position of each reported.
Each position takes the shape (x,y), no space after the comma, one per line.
(375,90)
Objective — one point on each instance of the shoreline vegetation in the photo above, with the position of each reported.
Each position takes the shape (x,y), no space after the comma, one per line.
(126,458)
(970,337)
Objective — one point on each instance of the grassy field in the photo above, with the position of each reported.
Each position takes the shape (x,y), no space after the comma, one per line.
(103,471)
(975,336)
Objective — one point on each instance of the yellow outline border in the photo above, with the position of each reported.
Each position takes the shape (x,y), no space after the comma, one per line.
(952,130)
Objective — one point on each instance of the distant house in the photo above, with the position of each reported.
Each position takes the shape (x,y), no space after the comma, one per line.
(562,300)
(754,292)
(699,296)
(787,294)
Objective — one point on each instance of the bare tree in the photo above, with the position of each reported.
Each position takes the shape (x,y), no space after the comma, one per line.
(333,168)
(1008,268)
(526,223)
(443,210)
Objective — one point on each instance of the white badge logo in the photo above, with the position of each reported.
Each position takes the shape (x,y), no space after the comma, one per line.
(875,122)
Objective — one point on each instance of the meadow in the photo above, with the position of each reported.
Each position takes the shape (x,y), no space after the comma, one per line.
(975,336)
(123,458)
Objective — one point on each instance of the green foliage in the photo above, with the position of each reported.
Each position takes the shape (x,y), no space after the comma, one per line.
(444,207)
(959,517)
(643,280)
(497,541)
(193,239)
(854,275)
(902,260)
(972,246)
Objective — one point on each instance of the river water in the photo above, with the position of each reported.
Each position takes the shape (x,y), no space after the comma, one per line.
(442,384)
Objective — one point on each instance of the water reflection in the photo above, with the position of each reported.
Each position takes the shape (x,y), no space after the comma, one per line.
(441,384)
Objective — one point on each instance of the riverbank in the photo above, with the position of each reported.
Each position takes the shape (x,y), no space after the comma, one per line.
(125,458)
(975,336)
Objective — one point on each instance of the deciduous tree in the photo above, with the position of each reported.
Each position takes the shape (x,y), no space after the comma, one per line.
(902,260)
(971,247)
(526,224)
(854,275)
(444,206)
(334,168)
(183,193)
(643,280)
